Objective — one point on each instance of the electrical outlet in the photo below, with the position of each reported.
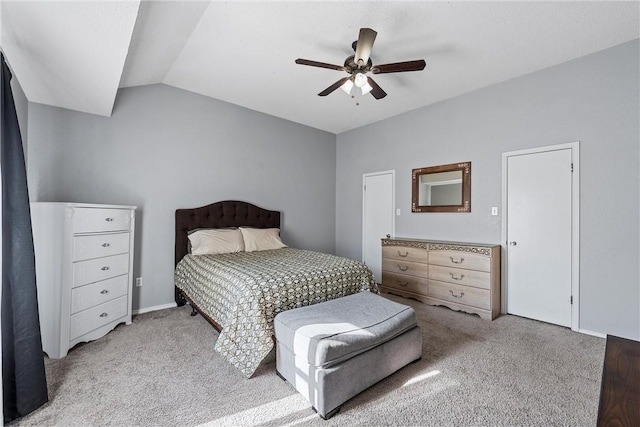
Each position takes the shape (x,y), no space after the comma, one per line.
(397,212)
(494,211)
(138,282)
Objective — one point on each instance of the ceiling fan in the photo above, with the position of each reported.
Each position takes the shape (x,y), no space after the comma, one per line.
(360,64)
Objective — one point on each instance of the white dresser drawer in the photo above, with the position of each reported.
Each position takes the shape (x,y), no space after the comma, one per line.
(478,279)
(99,245)
(474,297)
(88,320)
(93,220)
(94,270)
(404,267)
(91,295)
(460,260)
(405,253)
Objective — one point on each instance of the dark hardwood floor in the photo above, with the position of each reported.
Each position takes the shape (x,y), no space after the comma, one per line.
(620,390)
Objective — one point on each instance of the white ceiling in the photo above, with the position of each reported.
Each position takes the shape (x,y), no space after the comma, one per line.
(76,54)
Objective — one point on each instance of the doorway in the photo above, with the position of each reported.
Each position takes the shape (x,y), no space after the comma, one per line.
(378,205)
(541,234)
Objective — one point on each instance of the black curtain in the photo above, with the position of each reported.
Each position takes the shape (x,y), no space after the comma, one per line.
(24,385)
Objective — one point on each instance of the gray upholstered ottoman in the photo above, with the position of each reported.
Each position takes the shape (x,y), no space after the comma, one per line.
(333,350)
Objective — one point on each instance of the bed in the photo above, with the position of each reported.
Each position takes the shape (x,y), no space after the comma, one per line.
(240,293)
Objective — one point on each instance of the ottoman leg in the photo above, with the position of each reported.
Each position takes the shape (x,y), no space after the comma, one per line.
(328,414)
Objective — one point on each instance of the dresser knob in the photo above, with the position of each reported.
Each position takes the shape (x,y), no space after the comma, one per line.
(105,245)
(104,315)
(105,268)
(404,284)
(403,267)
(454,277)
(108,219)
(456,262)
(104,291)
(403,256)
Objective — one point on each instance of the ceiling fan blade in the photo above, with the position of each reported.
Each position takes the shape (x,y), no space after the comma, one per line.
(333,87)
(399,67)
(320,64)
(377,91)
(365,44)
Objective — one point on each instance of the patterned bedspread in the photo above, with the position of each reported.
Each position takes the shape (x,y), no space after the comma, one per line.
(244,291)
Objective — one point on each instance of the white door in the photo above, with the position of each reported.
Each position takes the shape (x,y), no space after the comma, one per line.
(377,217)
(539,235)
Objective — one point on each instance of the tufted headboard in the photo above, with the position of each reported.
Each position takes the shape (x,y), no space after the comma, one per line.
(228,213)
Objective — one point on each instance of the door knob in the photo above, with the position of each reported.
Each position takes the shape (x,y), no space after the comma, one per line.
(512,243)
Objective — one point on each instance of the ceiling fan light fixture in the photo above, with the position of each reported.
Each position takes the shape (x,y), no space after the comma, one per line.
(347,86)
(366,88)
(360,80)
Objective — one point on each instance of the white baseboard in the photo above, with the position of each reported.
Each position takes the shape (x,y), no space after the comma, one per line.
(154,308)
(595,334)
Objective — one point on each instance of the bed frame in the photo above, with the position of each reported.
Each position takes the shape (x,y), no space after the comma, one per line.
(228,213)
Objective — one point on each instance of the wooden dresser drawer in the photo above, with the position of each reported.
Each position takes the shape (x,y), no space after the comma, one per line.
(402,282)
(467,295)
(405,253)
(459,276)
(95,270)
(404,267)
(93,318)
(91,295)
(93,220)
(460,259)
(99,245)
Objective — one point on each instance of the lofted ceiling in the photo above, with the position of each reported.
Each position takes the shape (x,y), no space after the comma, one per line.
(77,54)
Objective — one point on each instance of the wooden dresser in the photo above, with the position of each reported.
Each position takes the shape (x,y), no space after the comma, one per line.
(461,276)
(84,271)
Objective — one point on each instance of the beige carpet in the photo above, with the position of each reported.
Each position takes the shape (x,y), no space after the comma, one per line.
(162,371)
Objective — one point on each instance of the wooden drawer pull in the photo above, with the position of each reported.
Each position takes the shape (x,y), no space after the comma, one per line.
(109,219)
(406,254)
(105,245)
(401,283)
(456,296)
(454,277)
(403,267)
(105,268)
(456,262)
(104,291)
(104,315)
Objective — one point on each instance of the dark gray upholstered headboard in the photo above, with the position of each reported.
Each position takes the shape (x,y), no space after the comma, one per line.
(228,213)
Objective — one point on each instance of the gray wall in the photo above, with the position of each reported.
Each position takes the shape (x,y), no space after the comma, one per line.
(164,149)
(594,100)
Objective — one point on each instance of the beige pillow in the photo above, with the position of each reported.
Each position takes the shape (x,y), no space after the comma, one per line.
(216,241)
(261,239)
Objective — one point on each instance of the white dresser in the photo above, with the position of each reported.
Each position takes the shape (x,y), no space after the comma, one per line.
(84,271)
(461,276)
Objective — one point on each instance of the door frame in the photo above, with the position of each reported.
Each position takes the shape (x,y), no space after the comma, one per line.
(393,202)
(575,225)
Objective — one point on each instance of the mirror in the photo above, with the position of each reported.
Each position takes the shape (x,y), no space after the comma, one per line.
(445,188)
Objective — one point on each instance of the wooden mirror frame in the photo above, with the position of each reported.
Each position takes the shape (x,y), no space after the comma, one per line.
(466,188)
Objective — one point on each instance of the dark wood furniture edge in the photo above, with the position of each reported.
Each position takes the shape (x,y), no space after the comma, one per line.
(223,214)
(619,403)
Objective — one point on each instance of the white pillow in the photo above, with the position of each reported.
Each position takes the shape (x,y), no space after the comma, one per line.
(261,239)
(216,241)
